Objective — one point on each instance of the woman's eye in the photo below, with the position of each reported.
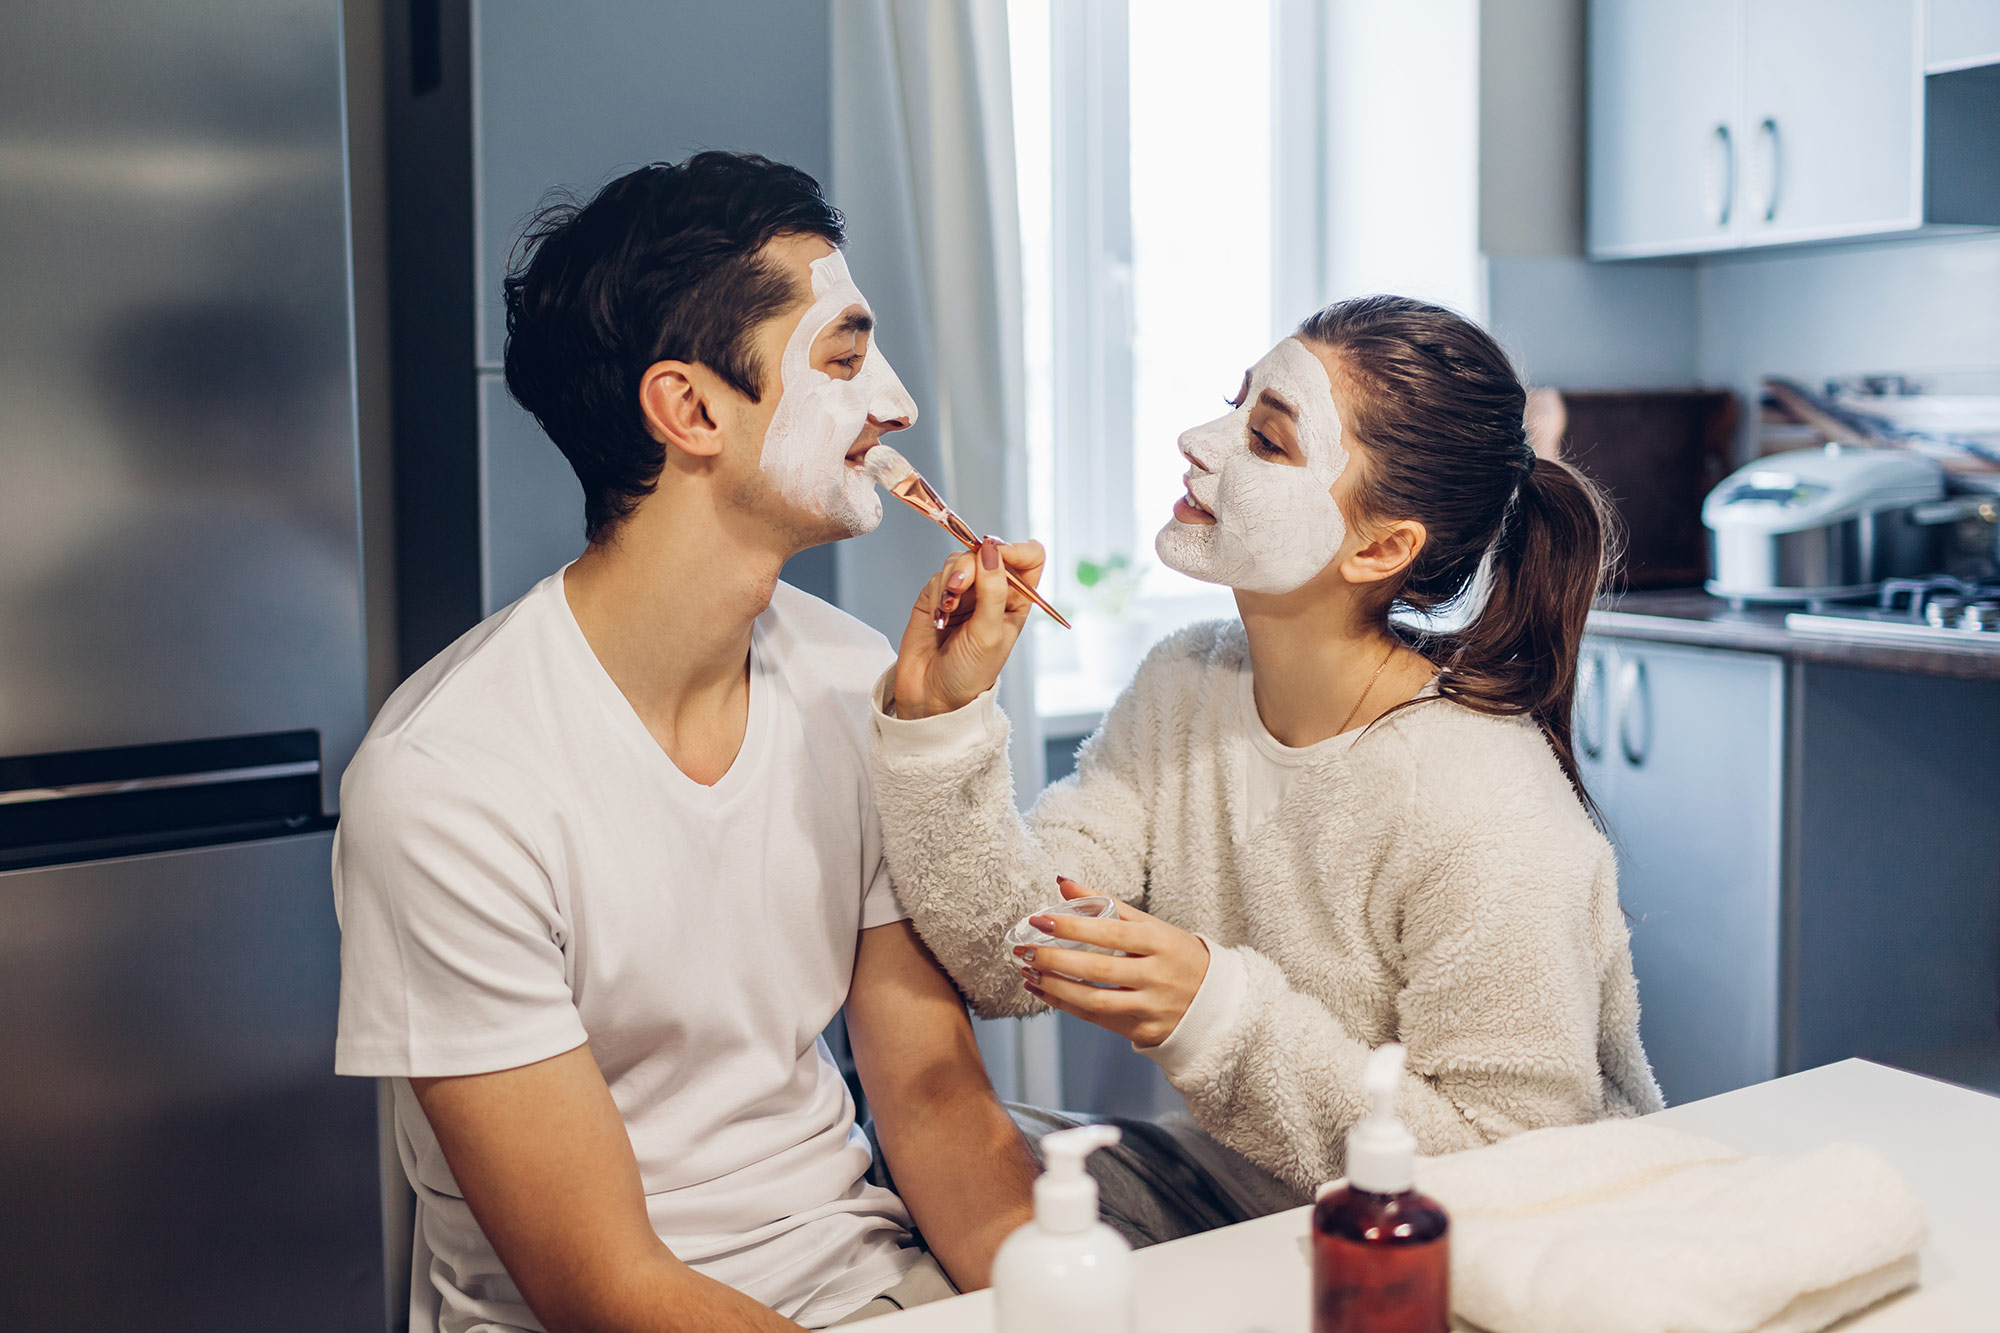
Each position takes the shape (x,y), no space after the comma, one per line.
(852,362)
(1262,444)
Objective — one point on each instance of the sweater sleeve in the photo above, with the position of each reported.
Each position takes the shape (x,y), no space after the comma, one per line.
(967,865)
(1497,1001)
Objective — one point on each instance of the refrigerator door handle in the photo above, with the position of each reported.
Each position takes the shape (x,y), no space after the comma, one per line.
(76,790)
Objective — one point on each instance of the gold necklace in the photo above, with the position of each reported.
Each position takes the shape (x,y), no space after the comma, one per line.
(1355,711)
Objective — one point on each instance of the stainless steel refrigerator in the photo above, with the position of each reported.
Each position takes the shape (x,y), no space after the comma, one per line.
(181,672)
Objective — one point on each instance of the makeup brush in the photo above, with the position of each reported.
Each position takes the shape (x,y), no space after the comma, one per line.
(893,473)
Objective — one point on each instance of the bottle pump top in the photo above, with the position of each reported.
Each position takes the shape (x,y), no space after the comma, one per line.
(1065,1194)
(1381,1153)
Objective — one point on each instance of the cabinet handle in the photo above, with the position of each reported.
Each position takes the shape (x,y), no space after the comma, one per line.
(1592,704)
(1769,131)
(1634,699)
(1719,184)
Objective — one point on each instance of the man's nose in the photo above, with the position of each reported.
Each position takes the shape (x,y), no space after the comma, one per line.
(883,425)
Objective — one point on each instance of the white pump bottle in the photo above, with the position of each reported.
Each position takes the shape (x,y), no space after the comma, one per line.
(1065,1272)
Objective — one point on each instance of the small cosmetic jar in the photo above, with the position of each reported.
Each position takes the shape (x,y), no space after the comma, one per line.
(1021,934)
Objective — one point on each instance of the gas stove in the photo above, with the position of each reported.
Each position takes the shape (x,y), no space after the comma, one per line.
(1943,612)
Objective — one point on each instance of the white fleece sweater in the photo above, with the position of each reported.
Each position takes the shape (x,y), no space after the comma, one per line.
(1436,882)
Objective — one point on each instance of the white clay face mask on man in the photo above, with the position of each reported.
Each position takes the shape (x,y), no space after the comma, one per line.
(1276,524)
(818,417)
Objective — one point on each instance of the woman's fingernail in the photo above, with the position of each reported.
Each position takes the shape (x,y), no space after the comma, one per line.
(1031,976)
(957,580)
(1042,923)
(937,621)
(989,554)
(1024,953)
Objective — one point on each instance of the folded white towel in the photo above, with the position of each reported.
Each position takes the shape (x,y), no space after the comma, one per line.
(1626,1227)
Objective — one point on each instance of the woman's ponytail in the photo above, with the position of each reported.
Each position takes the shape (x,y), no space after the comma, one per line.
(1436,410)
(1519,653)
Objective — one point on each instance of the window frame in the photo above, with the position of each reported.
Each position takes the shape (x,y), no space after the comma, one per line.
(1089,511)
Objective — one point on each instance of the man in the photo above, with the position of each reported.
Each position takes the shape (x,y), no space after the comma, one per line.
(609,864)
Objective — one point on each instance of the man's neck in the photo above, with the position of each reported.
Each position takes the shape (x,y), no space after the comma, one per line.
(667,604)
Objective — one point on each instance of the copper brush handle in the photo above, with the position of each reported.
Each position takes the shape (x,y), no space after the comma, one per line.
(941,514)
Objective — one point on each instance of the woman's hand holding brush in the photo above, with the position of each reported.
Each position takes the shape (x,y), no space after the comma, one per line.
(964,627)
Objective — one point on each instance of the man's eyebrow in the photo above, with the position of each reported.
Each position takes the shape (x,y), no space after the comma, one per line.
(855,322)
(1277,404)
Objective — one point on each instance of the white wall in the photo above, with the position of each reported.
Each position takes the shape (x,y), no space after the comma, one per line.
(1579,325)
(1568,322)
(1531,127)
(1402,87)
(1891,306)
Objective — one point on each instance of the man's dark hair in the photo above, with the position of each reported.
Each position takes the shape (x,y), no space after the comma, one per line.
(664,264)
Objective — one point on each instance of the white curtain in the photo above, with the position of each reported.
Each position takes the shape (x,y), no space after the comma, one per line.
(923,167)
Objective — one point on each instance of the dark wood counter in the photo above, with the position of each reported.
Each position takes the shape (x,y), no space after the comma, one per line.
(1693,617)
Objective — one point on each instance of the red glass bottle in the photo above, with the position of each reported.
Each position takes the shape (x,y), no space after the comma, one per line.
(1381,1263)
(1381,1251)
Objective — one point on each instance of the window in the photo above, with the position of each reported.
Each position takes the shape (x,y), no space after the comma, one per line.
(1170,193)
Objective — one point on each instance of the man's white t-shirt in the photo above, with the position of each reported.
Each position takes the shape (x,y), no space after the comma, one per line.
(520,868)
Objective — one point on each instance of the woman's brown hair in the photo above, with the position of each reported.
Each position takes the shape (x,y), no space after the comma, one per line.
(1436,409)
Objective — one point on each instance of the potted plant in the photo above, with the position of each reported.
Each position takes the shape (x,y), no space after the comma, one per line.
(1112,636)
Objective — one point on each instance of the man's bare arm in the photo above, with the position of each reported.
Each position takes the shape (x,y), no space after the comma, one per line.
(960,1163)
(547,1167)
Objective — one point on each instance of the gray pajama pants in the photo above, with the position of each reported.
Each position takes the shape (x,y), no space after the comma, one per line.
(1163,1180)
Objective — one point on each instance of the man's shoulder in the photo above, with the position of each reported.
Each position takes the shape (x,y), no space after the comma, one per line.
(819,642)
(470,710)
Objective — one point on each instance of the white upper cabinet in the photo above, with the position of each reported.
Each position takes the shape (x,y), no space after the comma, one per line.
(1664,84)
(1963,33)
(1832,119)
(1721,124)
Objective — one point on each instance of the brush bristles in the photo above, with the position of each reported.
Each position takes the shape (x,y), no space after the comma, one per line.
(885,467)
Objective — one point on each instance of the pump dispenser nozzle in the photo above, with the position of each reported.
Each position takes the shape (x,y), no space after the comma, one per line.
(1065,1193)
(1381,1153)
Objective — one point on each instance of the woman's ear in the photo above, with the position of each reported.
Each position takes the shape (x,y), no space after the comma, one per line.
(1385,553)
(674,398)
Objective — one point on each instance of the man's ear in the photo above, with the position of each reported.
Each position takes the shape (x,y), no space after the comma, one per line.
(675,399)
(1386,553)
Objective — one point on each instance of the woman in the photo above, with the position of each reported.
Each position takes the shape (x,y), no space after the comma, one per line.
(1340,833)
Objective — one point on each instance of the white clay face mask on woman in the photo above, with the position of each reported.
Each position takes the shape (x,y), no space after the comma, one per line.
(818,417)
(1276,524)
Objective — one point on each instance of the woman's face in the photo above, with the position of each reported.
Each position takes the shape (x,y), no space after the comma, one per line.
(1259,513)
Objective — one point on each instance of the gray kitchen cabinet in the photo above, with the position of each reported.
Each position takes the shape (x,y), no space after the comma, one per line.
(1664,83)
(1728,124)
(1832,119)
(1683,750)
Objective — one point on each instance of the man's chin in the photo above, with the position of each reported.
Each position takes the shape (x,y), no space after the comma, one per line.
(857,516)
(846,517)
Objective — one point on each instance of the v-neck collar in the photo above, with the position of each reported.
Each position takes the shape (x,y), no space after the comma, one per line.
(626,722)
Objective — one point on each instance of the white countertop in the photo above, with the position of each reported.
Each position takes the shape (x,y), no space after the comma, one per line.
(1945,1140)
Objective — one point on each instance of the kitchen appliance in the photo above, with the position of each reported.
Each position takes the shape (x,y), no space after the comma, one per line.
(182,677)
(1935,612)
(1824,525)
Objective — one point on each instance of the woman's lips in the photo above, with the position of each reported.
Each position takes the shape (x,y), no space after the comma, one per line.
(1187,511)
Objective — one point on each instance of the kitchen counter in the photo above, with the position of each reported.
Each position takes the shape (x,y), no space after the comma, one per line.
(1692,617)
